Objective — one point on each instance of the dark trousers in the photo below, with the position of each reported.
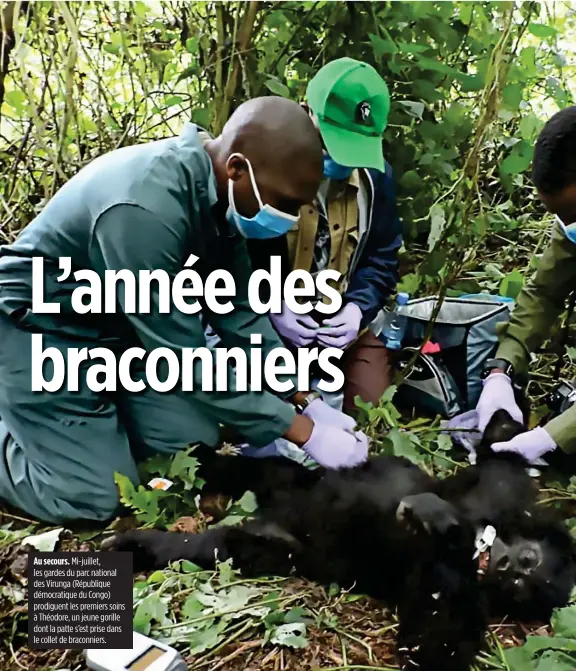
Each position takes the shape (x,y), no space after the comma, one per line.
(368,368)
(368,371)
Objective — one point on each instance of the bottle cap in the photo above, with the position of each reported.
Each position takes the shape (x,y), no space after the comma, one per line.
(402,299)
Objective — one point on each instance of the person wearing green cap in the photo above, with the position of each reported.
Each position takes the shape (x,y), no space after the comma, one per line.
(352,227)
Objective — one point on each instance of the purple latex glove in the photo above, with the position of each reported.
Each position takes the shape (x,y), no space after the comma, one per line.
(469,437)
(300,330)
(340,330)
(320,412)
(531,445)
(497,395)
(333,447)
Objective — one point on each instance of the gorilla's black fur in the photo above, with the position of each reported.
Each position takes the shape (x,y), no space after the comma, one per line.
(389,530)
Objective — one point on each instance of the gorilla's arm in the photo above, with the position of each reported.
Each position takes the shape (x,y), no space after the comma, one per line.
(257,548)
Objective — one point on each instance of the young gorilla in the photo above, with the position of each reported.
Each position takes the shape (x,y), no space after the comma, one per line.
(389,530)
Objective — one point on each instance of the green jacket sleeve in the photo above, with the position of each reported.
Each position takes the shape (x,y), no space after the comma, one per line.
(563,430)
(236,327)
(133,238)
(540,303)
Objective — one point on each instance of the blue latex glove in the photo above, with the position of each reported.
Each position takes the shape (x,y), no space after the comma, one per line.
(531,445)
(300,330)
(497,394)
(333,447)
(320,412)
(340,330)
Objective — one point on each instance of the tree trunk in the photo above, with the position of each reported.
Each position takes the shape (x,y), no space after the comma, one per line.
(7,20)
(245,34)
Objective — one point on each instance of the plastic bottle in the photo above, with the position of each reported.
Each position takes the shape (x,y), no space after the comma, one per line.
(393,331)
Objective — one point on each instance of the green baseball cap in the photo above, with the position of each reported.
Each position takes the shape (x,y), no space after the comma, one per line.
(352,102)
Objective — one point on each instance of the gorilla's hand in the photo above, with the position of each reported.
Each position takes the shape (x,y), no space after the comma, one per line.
(428,512)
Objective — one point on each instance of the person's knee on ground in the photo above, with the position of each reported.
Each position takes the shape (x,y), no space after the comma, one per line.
(59,497)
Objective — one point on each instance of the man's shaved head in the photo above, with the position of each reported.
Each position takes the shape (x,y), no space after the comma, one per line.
(284,149)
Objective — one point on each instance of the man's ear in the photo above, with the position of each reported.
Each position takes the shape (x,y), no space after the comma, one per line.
(236,166)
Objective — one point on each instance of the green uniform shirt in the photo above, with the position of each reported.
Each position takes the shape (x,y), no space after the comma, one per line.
(146,207)
(539,305)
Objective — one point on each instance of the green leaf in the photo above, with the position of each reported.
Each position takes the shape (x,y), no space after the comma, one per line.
(382,47)
(184,467)
(144,502)
(400,445)
(295,615)
(276,86)
(434,262)
(409,284)
(542,30)
(202,116)
(150,608)
(205,639)
(388,395)
(192,45)
(511,285)
(529,126)
(493,271)
(472,83)
(169,101)
(537,643)
(16,99)
(412,47)
(564,621)
(468,287)
(225,572)
(512,96)
(465,13)
(414,109)
(291,635)
(366,408)
(188,72)
(112,48)
(528,60)
(438,66)
(232,599)
(248,502)
(410,181)
(438,221)
(518,160)
(160,57)
(157,576)
(555,661)
(423,88)
(518,659)
(192,608)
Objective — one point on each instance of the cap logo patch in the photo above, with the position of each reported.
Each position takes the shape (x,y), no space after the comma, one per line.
(363,111)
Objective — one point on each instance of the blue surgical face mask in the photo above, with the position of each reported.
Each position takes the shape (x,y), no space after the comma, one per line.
(569,230)
(334,170)
(268,222)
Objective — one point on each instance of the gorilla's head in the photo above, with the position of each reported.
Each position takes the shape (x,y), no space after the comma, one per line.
(532,564)
(531,571)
